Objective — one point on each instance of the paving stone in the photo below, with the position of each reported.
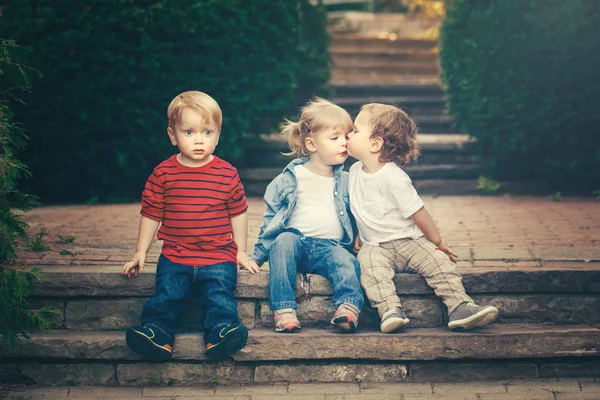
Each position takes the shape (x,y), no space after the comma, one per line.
(502,253)
(568,253)
(535,280)
(402,388)
(103,314)
(178,391)
(109,392)
(442,372)
(542,385)
(577,396)
(329,373)
(182,374)
(506,263)
(462,396)
(587,386)
(474,386)
(69,374)
(539,309)
(363,396)
(314,396)
(329,389)
(38,393)
(253,390)
(9,373)
(513,396)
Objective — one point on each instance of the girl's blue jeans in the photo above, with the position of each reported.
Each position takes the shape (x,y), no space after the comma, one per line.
(175,284)
(292,252)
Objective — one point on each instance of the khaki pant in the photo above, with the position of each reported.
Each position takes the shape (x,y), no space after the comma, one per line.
(379,263)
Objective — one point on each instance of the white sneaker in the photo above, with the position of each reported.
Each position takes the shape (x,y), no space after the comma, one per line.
(393,319)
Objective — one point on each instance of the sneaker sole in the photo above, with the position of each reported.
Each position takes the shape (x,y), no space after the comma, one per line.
(344,324)
(482,318)
(393,324)
(289,329)
(143,345)
(231,343)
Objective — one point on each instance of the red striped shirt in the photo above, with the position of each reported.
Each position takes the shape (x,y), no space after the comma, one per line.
(194,206)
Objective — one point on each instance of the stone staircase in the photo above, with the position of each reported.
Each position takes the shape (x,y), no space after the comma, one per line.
(549,326)
(393,70)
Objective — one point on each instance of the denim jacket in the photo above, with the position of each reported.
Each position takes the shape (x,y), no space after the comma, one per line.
(280,197)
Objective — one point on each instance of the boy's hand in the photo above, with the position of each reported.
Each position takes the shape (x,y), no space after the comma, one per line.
(357,244)
(133,267)
(246,262)
(444,247)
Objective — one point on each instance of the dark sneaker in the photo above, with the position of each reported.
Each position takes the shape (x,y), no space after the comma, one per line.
(223,341)
(469,316)
(393,319)
(149,341)
(346,317)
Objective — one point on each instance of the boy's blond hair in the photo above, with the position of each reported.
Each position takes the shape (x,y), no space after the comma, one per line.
(198,101)
(398,131)
(317,115)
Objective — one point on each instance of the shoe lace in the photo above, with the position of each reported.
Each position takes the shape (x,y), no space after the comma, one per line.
(472,305)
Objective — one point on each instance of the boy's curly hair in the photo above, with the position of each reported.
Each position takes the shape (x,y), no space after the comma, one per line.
(398,131)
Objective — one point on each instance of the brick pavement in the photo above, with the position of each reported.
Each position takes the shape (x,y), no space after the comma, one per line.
(563,389)
(521,231)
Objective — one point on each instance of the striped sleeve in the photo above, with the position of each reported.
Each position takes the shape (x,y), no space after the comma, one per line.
(236,204)
(153,198)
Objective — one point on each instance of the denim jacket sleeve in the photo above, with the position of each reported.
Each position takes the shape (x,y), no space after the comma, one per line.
(273,206)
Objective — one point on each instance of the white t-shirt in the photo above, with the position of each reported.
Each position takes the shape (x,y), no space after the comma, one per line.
(315,214)
(383,203)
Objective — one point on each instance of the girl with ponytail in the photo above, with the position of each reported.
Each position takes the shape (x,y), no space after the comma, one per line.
(307,226)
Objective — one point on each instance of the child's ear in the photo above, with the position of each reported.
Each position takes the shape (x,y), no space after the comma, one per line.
(171,134)
(376,144)
(310,144)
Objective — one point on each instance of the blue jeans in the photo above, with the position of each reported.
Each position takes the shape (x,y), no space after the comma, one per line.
(174,284)
(293,252)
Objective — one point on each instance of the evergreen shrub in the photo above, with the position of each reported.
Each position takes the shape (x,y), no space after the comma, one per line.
(523,78)
(97,121)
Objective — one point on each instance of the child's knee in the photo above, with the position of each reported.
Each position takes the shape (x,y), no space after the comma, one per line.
(286,242)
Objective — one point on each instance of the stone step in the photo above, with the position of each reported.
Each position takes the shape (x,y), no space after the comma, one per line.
(356,90)
(267,151)
(381,79)
(493,342)
(425,102)
(539,293)
(369,69)
(348,54)
(262,175)
(422,357)
(501,271)
(385,64)
(418,107)
(368,75)
(359,41)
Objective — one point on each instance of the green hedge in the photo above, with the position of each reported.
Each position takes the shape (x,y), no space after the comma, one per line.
(97,120)
(14,82)
(523,78)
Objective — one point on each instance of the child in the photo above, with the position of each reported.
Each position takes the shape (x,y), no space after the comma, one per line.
(397,231)
(199,203)
(307,226)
